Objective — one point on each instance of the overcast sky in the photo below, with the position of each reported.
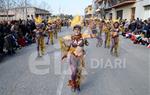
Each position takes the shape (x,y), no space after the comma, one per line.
(73,7)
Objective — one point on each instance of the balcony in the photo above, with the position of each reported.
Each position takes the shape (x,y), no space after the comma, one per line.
(98,1)
(121,3)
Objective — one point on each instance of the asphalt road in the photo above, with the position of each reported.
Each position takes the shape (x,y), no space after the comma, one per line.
(104,74)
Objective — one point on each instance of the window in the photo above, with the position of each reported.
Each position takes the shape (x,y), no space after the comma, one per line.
(120,14)
(147,7)
(133,13)
(147,12)
(110,15)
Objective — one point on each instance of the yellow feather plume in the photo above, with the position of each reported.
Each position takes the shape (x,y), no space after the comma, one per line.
(77,20)
(38,20)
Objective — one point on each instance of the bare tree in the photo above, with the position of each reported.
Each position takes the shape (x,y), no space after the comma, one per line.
(5,5)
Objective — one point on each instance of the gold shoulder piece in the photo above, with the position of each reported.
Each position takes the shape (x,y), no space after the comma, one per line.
(85,35)
(68,37)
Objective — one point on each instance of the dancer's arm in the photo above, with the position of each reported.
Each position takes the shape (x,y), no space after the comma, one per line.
(88,36)
(66,38)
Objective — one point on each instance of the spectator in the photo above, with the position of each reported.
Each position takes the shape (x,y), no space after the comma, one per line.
(1,38)
(132,26)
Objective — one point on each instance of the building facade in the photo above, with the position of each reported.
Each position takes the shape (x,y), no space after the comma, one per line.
(23,13)
(88,11)
(103,8)
(123,9)
(142,9)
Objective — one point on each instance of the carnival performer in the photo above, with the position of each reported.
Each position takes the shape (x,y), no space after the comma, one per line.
(75,53)
(50,34)
(59,25)
(40,35)
(93,27)
(55,29)
(106,30)
(108,34)
(99,35)
(40,41)
(122,28)
(115,38)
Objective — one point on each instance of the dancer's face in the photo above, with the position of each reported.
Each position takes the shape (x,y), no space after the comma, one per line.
(91,24)
(77,31)
(116,25)
(49,24)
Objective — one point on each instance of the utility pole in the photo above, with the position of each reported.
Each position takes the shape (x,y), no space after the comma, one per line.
(25,9)
(7,8)
(59,10)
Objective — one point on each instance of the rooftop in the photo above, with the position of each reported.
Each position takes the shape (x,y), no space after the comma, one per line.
(25,7)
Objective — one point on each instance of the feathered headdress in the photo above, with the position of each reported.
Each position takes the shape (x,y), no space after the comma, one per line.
(38,20)
(77,20)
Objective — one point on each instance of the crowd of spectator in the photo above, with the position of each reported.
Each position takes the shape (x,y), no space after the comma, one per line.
(15,35)
(138,31)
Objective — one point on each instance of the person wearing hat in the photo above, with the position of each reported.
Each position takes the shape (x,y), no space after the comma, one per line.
(75,54)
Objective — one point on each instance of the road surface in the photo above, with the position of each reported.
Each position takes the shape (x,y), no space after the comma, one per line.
(104,74)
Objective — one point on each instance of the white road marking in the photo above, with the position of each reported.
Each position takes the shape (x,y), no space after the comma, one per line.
(60,85)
